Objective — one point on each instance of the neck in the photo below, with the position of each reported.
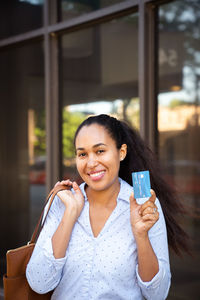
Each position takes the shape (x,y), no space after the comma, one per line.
(104,198)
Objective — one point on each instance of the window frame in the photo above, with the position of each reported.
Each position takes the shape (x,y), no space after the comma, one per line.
(147,68)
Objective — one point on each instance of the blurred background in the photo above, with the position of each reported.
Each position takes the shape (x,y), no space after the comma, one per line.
(61,61)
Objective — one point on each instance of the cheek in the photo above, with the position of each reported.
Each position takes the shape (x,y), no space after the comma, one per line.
(117,162)
(79,166)
(113,161)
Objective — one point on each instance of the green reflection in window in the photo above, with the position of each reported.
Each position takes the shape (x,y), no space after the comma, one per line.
(70,123)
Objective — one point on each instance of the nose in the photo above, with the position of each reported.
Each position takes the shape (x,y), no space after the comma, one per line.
(92,161)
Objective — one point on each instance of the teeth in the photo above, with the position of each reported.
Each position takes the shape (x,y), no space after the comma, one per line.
(96,174)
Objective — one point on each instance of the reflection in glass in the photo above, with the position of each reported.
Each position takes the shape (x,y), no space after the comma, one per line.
(179,124)
(22,135)
(20,16)
(99,75)
(71,9)
(37,161)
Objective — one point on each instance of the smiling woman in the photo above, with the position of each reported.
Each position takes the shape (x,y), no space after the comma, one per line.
(97,236)
(97,157)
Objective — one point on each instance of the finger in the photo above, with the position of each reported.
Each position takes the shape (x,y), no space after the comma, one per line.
(57,183)
(66,182)
(134,206)
(147,204)
(150,201)
(61,195)
(153,196)
(64,192)
(132,199)
(151,217)
(76,188)
(148,210)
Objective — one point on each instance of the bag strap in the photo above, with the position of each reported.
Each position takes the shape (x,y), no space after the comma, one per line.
(40,224)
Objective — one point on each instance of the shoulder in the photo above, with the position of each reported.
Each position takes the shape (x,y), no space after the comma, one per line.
(82,188)
(125,186)
(125,190)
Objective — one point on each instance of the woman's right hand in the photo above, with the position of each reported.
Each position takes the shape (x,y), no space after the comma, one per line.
(74,202)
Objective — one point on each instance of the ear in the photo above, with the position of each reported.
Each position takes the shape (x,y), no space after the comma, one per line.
(123,152)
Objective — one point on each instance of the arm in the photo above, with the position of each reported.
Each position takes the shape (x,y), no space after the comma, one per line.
(64,229)
(74,205)
(147,261)
(44,269)
(153,271)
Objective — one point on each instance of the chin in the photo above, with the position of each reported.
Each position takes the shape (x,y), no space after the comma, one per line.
(99,186)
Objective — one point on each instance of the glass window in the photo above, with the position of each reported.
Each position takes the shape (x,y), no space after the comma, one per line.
(22,135)
(98,75)
(19,16)
(73,8)
(179,125)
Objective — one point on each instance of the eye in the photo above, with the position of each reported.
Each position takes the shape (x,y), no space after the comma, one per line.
(100,151)
(83,154)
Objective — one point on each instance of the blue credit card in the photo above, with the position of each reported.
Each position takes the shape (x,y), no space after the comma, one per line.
(141,184)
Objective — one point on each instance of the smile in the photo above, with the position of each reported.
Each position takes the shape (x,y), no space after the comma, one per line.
(97,175)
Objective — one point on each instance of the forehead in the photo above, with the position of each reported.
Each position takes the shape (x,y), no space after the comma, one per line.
(93,134)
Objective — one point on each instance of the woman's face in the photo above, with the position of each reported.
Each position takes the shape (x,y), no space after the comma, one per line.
(97,157)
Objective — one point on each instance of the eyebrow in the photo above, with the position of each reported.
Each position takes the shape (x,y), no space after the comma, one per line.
(95,146)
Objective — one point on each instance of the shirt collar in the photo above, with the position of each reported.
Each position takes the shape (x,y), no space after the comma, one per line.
(125,190)
(124,193)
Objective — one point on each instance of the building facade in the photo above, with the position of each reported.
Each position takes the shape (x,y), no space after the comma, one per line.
(61,61)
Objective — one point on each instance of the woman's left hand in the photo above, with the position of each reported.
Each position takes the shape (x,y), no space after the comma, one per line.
(144,216)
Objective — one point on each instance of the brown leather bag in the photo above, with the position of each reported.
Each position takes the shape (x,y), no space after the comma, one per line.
(15,284)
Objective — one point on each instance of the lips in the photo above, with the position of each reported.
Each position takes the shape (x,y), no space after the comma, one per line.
(97,175)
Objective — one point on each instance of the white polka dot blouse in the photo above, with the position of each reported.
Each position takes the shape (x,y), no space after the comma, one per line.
(102,267)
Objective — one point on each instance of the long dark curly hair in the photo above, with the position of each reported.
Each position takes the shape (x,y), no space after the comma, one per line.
(139,158)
